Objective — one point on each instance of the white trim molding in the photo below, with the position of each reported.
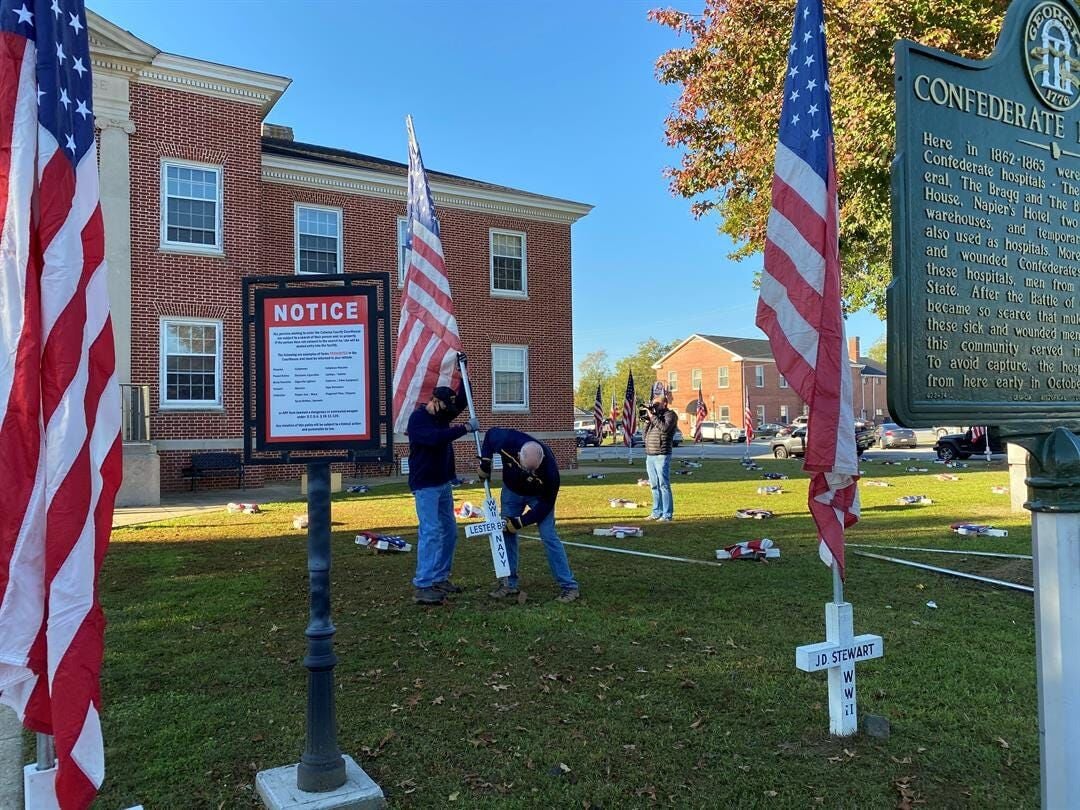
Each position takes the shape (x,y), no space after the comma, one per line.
(164,404)
(369,183)
(340,237)
(218,248)
(523,293)
(510,407)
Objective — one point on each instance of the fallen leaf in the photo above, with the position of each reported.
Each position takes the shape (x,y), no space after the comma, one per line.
(454,796)
(438,701)
(1001,741)
(697,723)
(771,793)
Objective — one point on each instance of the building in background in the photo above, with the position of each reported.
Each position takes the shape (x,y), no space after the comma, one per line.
(723,367)
(198,192)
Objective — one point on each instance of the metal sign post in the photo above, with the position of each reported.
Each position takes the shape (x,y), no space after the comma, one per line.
(492,525)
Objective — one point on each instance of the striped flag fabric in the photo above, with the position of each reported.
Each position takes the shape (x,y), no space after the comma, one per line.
(614,416)
(629,422)
(598,414)
(800,307)
(699,417)
(977,432)
(748,417)
(59,393)
(428,341)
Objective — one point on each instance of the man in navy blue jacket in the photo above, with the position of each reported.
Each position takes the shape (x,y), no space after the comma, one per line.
(530,487)
(431,469)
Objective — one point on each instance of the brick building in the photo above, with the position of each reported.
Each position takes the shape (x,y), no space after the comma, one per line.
(723,367)
(199,192)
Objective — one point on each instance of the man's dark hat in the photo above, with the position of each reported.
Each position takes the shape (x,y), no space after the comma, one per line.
(445,395)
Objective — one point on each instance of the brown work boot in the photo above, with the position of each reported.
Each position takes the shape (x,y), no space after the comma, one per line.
(568,595)
(503,591)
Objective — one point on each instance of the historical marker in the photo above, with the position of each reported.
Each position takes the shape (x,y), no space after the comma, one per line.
(984,321)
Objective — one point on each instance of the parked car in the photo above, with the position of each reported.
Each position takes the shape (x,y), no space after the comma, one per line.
(890,434)
(794,443)
(676,439)
(960,445)
(802,420)
(638,441)
(946,431)
(767,430)
(721,432)
(586,437)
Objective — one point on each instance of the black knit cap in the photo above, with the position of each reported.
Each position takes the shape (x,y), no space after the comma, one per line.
(445,395)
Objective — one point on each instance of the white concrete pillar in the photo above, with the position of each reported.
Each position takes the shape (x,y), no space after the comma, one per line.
(11,759)
(1018,471)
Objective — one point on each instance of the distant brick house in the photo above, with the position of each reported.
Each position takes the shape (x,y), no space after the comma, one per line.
(723,367)
(198,192)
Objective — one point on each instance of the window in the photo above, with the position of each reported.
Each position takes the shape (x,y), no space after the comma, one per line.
(761,414)
(725,413)
(722,377)
(877,380)
(695,379)
(191,206)
(402,249)
(783,414)
(190,363)
(510,377)
(878,412)
(759,376)
(673,381)
(783,381)
(318,239)
(508,269)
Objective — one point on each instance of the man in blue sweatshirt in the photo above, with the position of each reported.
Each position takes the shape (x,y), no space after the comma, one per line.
(530,487)
(431,469)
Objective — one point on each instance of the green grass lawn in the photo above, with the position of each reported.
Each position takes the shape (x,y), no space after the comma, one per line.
(667,683)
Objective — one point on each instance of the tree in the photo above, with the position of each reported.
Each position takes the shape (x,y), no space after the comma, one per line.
(594,370)
(879,350)
(725,121)
(641,362)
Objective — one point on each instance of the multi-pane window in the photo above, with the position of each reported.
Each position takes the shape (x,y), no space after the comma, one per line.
(318,240)
(722,377)
(191,206)
(695,378)
(673,381)
(190,363)
(783,414)
(510,377)
(402,249)
(761,414)
(783,381)
(759,376)
(508,267)
(725,413)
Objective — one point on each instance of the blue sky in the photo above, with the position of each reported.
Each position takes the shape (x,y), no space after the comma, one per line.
(558,98)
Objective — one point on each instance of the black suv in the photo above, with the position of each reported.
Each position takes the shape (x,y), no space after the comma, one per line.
(794,444)
(586,438)
(960,445)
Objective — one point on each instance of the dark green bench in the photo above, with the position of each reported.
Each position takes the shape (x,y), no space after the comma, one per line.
(203,464)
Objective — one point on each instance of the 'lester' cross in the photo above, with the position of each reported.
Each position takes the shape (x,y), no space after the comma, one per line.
(493,527)
(839,654)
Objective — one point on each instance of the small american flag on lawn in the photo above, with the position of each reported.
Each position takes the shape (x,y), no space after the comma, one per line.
(629,422)
(427,339)
(977,433)
(59,394)
(800,308)
(748,417)
(702,412)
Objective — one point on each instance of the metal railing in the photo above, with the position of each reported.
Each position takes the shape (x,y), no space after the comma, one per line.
(135,421)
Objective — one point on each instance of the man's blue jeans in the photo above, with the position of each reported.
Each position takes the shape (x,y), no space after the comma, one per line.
(513,505)
(437,535)
(659,470)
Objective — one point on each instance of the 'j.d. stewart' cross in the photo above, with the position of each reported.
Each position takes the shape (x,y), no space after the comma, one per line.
(493,527)
(839,654)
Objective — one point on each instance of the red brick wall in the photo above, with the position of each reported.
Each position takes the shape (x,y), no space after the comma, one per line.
(259,239)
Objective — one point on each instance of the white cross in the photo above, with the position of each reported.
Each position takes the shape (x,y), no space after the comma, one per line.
(839,654)
(493,527)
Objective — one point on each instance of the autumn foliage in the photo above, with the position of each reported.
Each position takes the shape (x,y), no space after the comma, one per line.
(725,120)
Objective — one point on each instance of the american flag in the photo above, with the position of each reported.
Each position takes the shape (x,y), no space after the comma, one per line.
(629,422)
(614,415)
(800,307)
(748,417)
(598,414)
(59,394)
(427,340)
(699,417)
(977,432)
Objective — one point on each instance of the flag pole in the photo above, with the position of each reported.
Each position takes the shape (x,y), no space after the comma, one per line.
(464,366)
(837,584)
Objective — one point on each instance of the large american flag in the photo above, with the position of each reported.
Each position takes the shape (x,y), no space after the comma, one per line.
(748,417)
(699,417)
(629,420)
(427,339)
(800,308)
(598,414)
(59,394)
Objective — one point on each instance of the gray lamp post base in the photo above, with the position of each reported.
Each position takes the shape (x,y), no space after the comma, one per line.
(278,791)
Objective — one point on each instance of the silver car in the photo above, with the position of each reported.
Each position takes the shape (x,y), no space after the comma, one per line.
(891,434)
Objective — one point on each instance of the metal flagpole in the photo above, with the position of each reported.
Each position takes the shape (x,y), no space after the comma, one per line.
(837,584)
(491,511)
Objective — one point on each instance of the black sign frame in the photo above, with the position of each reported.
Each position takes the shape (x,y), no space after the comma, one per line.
(379,447)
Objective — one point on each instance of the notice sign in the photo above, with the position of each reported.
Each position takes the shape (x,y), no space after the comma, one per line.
(316,367)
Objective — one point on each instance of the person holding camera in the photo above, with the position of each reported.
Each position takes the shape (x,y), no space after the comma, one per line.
(659,424)
(431,469)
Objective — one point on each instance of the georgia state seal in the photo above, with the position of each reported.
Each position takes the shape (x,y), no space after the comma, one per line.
(1052,54)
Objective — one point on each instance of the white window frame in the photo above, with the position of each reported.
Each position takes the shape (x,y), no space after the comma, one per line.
(296,235)
(761,414)
(188,405)
(402,240)
(695,378)
(723,380)
(524,291)
(672,381)
(759,376)
(783,381)
(784,414)
(216,249)
(514,407)
(725,413)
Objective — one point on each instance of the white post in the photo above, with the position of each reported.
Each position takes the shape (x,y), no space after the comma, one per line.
(1056,545)
(11,756)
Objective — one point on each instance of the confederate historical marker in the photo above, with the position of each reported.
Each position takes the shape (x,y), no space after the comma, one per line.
(984,320)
